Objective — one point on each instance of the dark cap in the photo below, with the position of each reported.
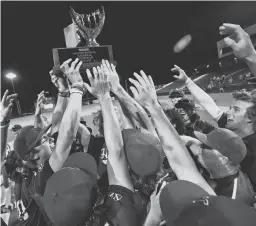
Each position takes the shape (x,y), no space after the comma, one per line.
(68,196)
(226,142)
(176,94)
(16,127)
(27,139)
(186,204)
(185,104)
(143,152)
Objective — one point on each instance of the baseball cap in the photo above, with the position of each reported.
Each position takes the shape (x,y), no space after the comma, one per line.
(16,127)
(226,142)
(143,151)
(27,139)
(68,196)
(185,104)
(176,94)
(186,204)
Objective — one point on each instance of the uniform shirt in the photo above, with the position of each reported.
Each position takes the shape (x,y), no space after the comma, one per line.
(241,189)
(123,207)
(32,192)
(248,165)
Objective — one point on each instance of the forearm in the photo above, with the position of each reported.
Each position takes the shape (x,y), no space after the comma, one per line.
(38,122)
(4,133)
(151,220)
(204,99)
(251,62)
(67,132)
(58,113)
(112,132)
(130,106)
(176,151)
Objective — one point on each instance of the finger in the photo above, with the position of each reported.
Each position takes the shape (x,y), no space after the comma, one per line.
(151,81)
(5,96)
(78,66)
(230,42)
(10,105)
(65,64)
(72,67)
(51,73)
(88,87)
(234,28)
(89,75)
(135,83)
(162,186)
(134,92)
(96,74)
(144,76)
(140,79)
(100,74)
(176,76)
(11,97)
(108,64)
(113,67)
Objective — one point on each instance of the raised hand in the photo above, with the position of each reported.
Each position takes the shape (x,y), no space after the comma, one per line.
(110,71)
(39,103)
(239,41)
(60,83)
(155,208)
(6,106)
(182,75)
(99,83)
(144,91)
(72,72)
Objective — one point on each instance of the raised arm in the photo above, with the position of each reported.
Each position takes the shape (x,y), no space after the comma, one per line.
(62,102)
(5,114)
(70,121)
(38,121)
(129,106)
(173,146)
(199,95)
(241,44)
(117,166)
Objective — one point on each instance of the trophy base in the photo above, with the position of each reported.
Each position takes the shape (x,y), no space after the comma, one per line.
(90,56)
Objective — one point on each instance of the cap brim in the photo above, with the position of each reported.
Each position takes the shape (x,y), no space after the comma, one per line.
(42,132)
(203,138)
(175,197)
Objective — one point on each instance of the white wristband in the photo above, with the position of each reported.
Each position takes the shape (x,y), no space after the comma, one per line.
(2,127)
(76,91)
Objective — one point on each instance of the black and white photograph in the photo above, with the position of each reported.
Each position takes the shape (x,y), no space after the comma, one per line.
(128,113)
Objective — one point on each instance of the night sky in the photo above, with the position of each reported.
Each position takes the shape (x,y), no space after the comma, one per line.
(142,35)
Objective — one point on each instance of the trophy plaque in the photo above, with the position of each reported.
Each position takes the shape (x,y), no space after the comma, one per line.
(80,37)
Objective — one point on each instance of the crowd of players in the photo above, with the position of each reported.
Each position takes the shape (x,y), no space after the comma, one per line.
(144,166)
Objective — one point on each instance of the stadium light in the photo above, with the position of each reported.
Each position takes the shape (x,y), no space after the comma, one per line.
(10,75)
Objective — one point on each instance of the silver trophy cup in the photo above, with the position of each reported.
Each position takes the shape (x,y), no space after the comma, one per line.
(88,27)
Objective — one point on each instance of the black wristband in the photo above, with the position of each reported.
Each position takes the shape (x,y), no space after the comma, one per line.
(79,86)
(4,123)
(64,94)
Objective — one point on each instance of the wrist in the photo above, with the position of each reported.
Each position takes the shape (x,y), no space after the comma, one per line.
(64,93)
(153,106)
(152,219)
(103,97)
(251,58)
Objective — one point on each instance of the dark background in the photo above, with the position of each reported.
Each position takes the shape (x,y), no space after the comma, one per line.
(142,34)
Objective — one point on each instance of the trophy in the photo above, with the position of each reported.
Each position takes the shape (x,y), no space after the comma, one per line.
(80,37)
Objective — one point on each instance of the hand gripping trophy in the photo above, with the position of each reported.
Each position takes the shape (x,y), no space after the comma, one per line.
(88,27)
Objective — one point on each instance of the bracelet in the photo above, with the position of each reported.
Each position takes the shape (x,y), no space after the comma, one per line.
(2,127)
(188,82)
(5,123)
(80,86)
(76,91)
(64,94)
